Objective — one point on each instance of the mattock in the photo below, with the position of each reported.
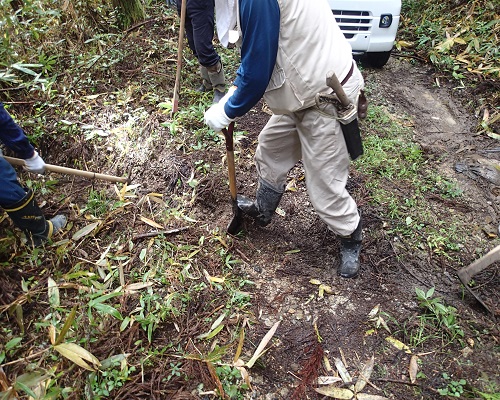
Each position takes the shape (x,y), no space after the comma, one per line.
(465,274)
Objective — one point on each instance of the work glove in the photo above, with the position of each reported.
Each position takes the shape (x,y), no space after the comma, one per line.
(216,118)
(35,164)
(172,3)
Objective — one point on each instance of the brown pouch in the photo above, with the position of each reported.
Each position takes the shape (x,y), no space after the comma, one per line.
(362,105)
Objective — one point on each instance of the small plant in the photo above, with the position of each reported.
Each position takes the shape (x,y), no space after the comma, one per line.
(232,382)
(115,372)
(443,317)
(453,388)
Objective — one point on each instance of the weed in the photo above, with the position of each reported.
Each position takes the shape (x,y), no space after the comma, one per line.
(453,388)
(114,372)
(232,382)
(98,204)
(440,316)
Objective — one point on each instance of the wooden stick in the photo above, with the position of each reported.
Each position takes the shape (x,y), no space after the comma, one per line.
(70,171)
(180,46)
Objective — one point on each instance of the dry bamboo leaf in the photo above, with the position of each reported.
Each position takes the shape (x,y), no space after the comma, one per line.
(335,392)
(245,375)
(260,349)
(53,292)
(136,286)
(85,231)
(366,396)
(413,368)
(344,374)
(4,382)
(78,355)
(398,344)
(157,200)
(240,346)
(215,377)
(373,313)
(328,380)
(328,366)
(52,334)
(152,223)
(364,375)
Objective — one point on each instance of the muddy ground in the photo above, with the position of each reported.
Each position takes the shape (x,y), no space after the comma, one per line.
(284,257)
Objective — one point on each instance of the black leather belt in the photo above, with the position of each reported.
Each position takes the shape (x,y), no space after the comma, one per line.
(349,74)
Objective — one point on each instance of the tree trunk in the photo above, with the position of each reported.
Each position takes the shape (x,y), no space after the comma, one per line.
(130,12)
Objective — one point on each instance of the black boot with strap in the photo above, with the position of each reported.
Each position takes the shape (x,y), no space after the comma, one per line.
(28,217)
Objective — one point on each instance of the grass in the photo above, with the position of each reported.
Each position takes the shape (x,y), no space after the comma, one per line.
(394,166)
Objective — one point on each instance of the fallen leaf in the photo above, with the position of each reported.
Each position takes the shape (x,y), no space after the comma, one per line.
(366,396)
(344,374)
(328,380)
(152,223)
(78,355)
(53,292)
(335,392)
(413,368)
(85,231)
(397,344)
(364,375)
(260,349)
(373,313)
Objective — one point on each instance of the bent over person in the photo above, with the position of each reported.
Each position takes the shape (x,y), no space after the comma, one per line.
(19,202)
(287,49)
(199,28)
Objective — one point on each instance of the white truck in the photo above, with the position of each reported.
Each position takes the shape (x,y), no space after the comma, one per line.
(370,26)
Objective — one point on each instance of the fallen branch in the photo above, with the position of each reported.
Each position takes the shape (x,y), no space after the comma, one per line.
(396,381)
(157,233)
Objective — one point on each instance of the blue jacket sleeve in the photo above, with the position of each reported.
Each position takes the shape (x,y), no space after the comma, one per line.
(260,24)
(12,135)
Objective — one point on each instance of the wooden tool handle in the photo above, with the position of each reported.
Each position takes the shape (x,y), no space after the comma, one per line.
(70,171)
(333,82)
(180,46)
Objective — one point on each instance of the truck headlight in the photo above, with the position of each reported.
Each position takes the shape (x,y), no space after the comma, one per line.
(385,21)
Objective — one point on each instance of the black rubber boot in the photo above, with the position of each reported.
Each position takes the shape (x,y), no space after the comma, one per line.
(263,208)
(350,247)
(217,81)
(28,217)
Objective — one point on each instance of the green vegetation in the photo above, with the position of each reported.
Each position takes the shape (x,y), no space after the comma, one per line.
(459,38)
(395,166)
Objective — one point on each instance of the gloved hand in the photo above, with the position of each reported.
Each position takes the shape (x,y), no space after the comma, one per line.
(216,118)
(35,164)
(1,153)
(172,3)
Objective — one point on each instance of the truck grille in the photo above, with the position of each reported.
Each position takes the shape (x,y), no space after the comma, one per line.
(352,22)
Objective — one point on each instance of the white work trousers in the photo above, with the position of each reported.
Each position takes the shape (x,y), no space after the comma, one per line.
(317,140)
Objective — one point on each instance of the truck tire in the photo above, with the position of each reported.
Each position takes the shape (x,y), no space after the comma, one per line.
(377,59)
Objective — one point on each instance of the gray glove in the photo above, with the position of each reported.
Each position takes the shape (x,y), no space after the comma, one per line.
(172,3)
(35,164)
